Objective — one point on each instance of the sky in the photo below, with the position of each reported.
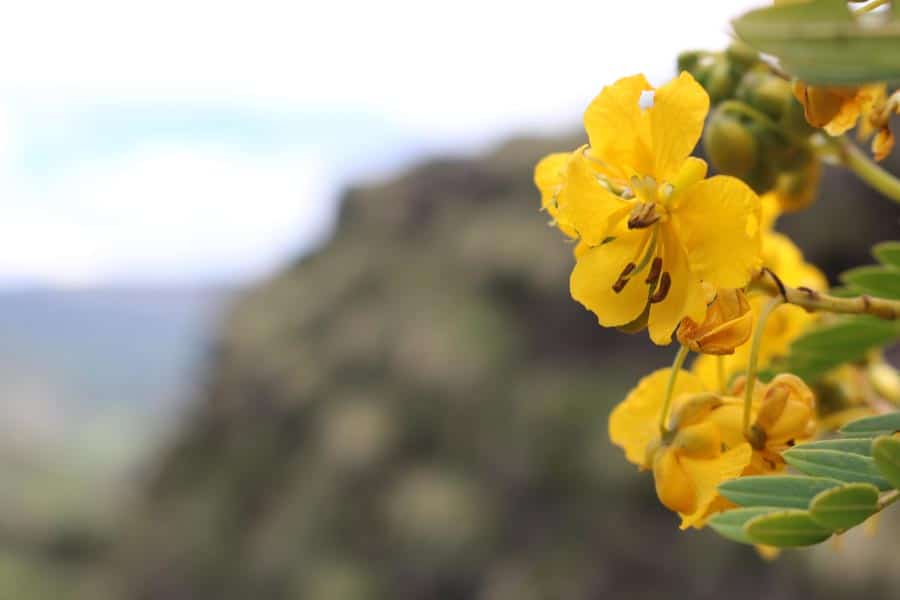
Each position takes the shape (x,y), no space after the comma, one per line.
(207,142)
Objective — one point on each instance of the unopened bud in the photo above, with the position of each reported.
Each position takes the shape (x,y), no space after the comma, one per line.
(727,325)
(731,146)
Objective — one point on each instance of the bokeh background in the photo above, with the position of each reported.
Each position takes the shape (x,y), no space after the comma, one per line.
(280,318)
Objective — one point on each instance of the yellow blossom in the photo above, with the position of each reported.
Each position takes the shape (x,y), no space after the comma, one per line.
(653,226)
(702,448)
(784,415)
(727,325)
(838,109)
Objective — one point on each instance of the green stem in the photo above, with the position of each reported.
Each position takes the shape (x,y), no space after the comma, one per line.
(810,299)
(870,7)
(754,357)
(720,365)
(869,171)
(670,387)
(888,499)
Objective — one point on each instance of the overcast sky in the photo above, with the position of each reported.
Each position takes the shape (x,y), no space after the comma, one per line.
(173,142)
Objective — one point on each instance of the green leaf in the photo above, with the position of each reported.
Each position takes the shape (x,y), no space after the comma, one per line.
(883,282)
(886,453)
(843,466)
(730,524)
(872,426)
(827,346)
(821,43)
(887,253)
(786,528)
(784,491)
(861,446)
(844,507)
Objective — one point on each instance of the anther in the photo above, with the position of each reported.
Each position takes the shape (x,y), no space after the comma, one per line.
(622,281)
(643,215)
(662,290)
(655,271)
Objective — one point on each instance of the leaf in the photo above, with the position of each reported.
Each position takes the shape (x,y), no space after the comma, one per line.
(872,426)
(844,507)
(786,528)
(820,42)
(730,524)
(827,346)
(887,253)
(784,491)
(886,453)
(843,466)
(883,282)
(861,446)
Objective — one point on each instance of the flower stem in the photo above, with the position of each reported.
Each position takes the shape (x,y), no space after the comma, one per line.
(869,171)
(754,357)
(670,387)
(720,367)
(888,499)
(813,300)
(870,7)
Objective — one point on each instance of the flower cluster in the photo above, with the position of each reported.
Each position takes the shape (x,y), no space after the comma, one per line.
(703,442)
(662,246)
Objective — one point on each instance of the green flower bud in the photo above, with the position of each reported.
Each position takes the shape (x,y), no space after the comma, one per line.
(743,55)
(730,145)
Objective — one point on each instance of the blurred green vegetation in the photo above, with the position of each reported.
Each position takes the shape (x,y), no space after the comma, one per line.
(417,411)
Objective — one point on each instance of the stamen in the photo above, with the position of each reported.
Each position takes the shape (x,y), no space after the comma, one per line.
(655,271)
(622,281)
(643,215)
(662,290)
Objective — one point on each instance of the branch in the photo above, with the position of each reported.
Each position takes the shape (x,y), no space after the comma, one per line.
(812,300)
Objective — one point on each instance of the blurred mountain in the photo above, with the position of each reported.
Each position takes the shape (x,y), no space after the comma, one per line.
(106,349)
(419,411)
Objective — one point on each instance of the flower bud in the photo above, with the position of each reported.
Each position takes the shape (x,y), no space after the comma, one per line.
(731,146)
(727,325)
(765,92)
(694,409)
(787,411)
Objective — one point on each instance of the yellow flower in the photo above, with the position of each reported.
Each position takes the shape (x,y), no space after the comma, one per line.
(702,449)
(838,109)
(785,415)
(653,226)
(727,325)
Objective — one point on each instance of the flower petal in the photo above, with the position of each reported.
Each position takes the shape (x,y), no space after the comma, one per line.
(586,205)
(617,127)
(718,222)
(706,476)
(685,297)
(634,423)
(549,175)
(676,122)
(595,273)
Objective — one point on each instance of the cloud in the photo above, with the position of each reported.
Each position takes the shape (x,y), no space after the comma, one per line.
(165,213)
(176,140)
